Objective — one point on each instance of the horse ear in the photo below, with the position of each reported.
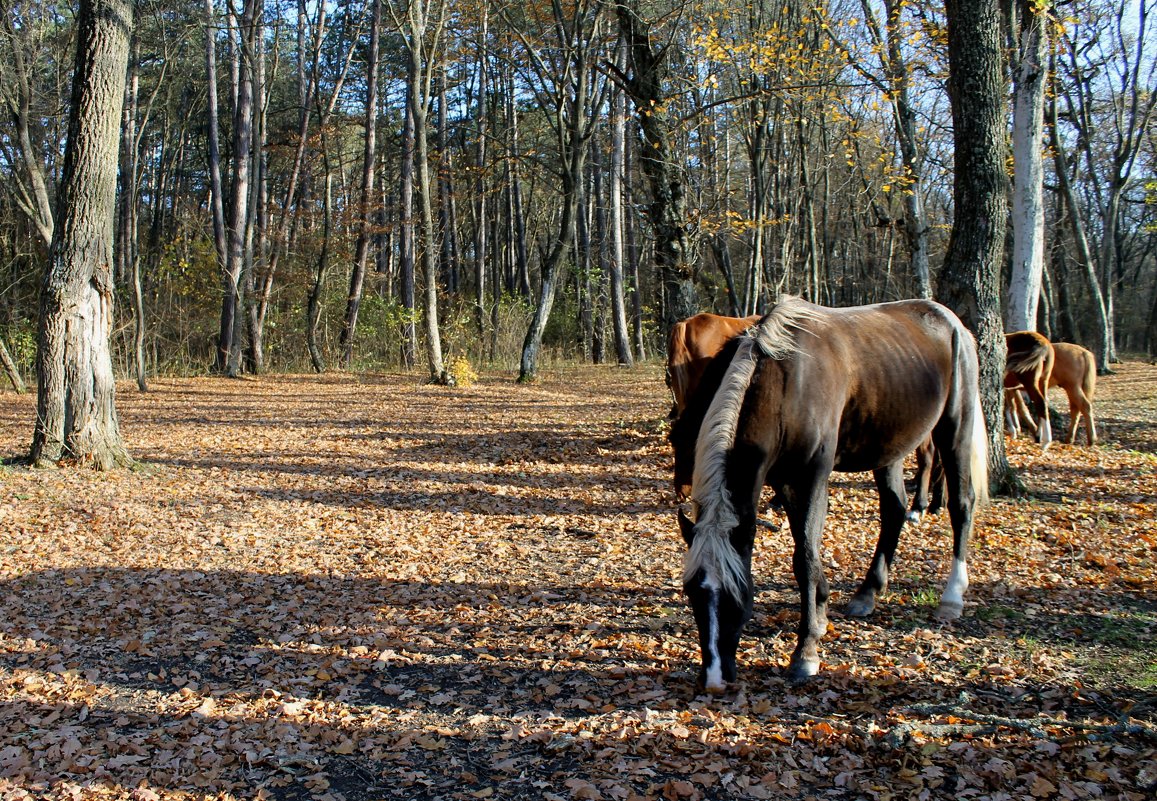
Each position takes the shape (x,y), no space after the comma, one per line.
(686,528)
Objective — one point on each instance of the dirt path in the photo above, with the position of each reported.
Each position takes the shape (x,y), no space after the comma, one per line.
(368,588)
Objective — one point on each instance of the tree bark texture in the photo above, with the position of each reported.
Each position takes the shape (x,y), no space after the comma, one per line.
(970,280)
(76,416)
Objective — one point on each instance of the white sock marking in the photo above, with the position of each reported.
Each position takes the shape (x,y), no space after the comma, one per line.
(713,680)
(957,584)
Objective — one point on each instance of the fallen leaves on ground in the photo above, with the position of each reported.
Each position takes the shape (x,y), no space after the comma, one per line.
(363,587)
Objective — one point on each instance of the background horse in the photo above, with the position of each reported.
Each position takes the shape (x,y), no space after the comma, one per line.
(1074,371)
(808,391)
(1029,365)
(691,346)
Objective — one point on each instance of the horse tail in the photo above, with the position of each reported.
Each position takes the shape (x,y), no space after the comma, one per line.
(711,548)
(979,451)
(1027,351)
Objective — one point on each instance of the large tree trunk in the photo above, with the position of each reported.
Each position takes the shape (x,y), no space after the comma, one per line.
(76,415)
(1028,214)
(668,210)
(970,280)
(237,223)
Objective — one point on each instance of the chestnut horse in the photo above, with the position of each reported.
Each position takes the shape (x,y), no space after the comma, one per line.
(1075,372)
(808,391)
(1029,365)
(692,345)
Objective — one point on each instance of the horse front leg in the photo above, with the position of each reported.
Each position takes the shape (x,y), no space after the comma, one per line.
(890,485)
(807,507)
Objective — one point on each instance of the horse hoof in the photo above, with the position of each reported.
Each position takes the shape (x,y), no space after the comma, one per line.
(860,607)
(949,611)
(914,517)
(802,670)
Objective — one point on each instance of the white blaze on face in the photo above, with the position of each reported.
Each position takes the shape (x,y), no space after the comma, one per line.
(713,678)
(957,584)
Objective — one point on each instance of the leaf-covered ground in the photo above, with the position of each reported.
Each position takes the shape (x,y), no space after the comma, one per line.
(367,588)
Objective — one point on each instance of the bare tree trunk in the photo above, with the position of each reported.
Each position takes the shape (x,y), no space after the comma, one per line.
(970,280)
(313,303)
(406,243)
(128,258)
(369,160)
(481,213)
(424,19)
(447,206)
(76,415)
(216,194)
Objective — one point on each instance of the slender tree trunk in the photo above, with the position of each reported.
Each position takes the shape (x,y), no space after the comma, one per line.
(406,242)
(481,207)
(369,160)
(970,280)
(419,95)
(76,416)
(258,250)
(1028,214)
(11,369)
(617,219)
(447,208)
(313,304)
(216,193)
(1081,240)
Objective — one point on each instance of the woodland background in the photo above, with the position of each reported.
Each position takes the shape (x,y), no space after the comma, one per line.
(814,141)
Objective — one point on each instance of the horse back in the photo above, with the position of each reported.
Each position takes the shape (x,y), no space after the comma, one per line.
(864,386)
(1074,366)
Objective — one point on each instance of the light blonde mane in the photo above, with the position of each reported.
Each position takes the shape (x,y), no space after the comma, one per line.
(711,550)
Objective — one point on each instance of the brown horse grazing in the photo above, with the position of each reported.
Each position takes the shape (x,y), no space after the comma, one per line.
(691,346)
(1029,365)
(808,391)
(1074,371)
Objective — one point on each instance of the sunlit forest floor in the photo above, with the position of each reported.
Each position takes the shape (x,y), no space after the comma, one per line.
(364,587)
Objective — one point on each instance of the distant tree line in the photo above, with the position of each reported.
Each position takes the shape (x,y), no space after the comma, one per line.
(403,183)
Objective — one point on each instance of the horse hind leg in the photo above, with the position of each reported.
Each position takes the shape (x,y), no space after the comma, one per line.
(1038,394)
(956,457)
(890,485)
(921,499)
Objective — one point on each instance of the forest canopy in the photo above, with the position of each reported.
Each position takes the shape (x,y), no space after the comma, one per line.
(352,177)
